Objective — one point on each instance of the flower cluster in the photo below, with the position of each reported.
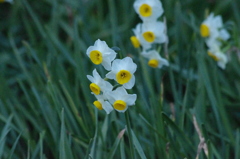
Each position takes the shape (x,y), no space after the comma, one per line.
(120,70)
(214,33)
(150,32)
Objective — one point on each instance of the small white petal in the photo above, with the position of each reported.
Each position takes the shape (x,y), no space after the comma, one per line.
(130,84)
(130,99)
(111,75)
(91,78)
(107,65)
(107,107)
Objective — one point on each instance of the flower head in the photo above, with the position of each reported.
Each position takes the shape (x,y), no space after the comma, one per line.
(100,53)
(218,56)
(101,103)
(138,39)
(154,32)
(98,84)
(211,26)
(148,10)
(120,99)
(123,72)
(155,60)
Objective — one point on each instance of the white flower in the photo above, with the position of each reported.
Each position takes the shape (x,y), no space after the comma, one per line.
(101,103)
(211,25)
(120,99)
(138,39)
(148,10)
(123,72)
(155,60)
(154,32)
(98,84)
(221,58)
(100,53)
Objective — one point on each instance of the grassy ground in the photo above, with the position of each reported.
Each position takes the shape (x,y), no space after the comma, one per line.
(46,108)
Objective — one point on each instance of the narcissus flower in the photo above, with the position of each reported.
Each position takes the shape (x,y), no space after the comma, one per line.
(123,72)
(120,99)
(138,39)
(154,32)
(217,55)
(98,84)
(101,103)
(100,53)
(148,10)
(210,26)
(155,60)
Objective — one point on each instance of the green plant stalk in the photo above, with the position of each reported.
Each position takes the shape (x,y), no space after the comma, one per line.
(129,134)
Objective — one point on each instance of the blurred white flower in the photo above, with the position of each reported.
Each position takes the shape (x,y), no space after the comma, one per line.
(155,60)
(101,103)
(215,53)
(120,99)
(98,84)
(154,32)
(100,53)
(148,10)
(123,72)
(210,26)
(138,39)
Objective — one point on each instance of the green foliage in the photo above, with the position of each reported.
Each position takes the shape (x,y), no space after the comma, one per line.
(46,108)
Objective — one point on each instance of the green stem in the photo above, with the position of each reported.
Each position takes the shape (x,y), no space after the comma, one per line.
(129,134)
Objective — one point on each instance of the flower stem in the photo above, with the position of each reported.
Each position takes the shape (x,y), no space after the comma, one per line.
(129,134)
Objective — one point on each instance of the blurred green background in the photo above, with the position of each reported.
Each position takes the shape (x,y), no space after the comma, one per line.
(46,108)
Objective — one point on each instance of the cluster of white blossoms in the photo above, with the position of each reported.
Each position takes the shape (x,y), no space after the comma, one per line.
(150,32)
(214,33)
(120,70)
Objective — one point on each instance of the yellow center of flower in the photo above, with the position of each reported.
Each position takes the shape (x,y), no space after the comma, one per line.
(213,56)
(153,63)
(96,57)
(135,41)
(98,105)
(145,10)
(123,76)
(119,105)
(2,0)
(95,88)
(149,36)
(204,30)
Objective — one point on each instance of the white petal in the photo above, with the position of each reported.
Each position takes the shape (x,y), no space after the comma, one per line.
(107,107)
(163,62)
(128,64)
(91,78)
(107,65)
(130,99)
(224,34)
(110,96)
(121,91)
(111,75)
(107,87)
(90,48)
(116,65)
(130,84)
(96,75)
